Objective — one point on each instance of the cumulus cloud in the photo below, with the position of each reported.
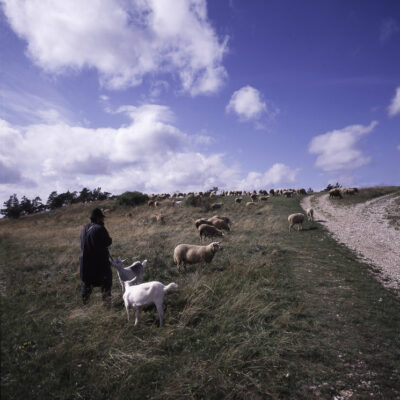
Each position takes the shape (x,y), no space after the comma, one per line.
(394,107)
(338,149)
(124,41)
(248,104)
(149,154)
(278,174)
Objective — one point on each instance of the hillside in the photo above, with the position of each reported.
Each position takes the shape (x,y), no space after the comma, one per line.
(275,315)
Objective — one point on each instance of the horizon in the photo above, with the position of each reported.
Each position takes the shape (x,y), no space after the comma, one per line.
(166,96)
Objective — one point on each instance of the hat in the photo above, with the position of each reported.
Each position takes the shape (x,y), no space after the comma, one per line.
(96,213)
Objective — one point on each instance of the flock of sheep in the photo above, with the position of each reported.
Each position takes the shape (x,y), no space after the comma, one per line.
(137,294)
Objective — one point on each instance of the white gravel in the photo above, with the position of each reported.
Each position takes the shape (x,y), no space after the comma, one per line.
(364,228)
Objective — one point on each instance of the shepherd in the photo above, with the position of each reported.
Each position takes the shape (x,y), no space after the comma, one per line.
(95,266)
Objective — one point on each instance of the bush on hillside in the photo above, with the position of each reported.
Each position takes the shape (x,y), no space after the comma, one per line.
(132,199)
(198,201)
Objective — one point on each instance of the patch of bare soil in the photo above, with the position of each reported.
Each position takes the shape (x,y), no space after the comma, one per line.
(366,229)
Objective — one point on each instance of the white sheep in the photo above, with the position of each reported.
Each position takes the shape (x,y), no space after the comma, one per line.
(294,219)
(192,254)
(133,273)
(310,214)
(146,293)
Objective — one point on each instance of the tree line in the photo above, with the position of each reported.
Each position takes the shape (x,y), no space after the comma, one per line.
(13,208)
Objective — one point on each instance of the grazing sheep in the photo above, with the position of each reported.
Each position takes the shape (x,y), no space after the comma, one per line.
(263,198)
(160,219)
(288,193)
(250,204)
(202,221)
(209,231)
(220,222)
(310,214)
(351,191)
(296,219)
(216,206)
(146,293)
(335,193)
(192,254)
(133,273)
(238,200)
(226,219)
(253,197)
(150,203)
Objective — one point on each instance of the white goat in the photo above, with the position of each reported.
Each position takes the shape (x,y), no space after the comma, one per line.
(140,295)
(133,273)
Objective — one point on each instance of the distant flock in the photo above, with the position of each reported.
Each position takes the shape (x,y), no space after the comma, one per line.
(137,294)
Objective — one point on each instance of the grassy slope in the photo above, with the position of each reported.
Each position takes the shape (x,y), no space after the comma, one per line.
(276,315)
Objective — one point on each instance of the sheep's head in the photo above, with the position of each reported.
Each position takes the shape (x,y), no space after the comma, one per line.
(118,262)
(216,246)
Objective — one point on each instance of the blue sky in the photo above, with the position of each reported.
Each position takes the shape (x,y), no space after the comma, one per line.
(166,95)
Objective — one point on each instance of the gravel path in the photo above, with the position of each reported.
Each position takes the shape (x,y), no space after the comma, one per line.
(364,228)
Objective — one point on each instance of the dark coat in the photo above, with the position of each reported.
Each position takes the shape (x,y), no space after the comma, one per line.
(94,260)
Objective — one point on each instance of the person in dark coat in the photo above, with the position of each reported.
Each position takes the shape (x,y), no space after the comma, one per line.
(95,266)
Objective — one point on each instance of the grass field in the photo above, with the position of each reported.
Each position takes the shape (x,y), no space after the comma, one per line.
(274,316)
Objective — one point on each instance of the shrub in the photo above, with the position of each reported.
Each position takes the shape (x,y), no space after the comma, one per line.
(132,198)
(198,201)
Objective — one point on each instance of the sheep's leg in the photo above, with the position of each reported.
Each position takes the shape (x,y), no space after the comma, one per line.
(160,311)
(127,310)
(137,315)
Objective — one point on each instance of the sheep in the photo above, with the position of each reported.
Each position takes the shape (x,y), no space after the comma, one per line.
(310,214)
(137,296)
(220,222)
(294,219)
(250,204)
(216,206)
(253,197)
(192,254)
(132,273)
(209,231)
(263,198)
(150,203)
(335,193)
(226,219)
(238,200)
(160,219)
(202,221)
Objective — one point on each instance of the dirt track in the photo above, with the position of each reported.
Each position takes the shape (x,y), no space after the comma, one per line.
(364,228)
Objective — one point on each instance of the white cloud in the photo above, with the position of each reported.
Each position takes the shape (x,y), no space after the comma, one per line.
(278,174)
(149,154)
(248,104)
(338,149)
(29,108)
(124,41)
(394,107)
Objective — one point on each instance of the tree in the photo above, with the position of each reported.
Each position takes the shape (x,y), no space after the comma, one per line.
(12,207)
(336,186)
(26,206)
(37,204)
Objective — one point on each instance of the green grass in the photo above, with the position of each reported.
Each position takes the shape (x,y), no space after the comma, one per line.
(275,315)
